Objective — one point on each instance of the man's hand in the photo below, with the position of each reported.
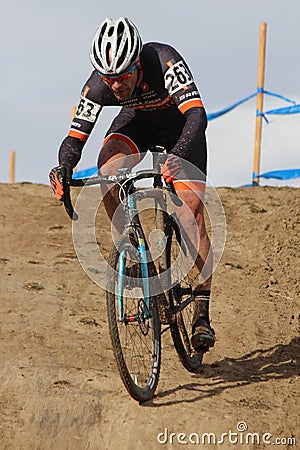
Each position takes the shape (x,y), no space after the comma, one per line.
(59,176)
(171,168)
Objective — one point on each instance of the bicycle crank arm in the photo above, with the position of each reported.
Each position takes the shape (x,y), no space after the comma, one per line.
(182,305)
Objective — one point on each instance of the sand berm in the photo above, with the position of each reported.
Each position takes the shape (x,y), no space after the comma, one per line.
(59,384)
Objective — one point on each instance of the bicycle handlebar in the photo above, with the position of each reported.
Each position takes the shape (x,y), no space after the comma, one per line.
(122,178)
(68,202)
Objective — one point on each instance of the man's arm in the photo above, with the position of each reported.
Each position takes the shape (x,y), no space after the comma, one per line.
(194,128)
(180,84)
(70,151)
(86,115)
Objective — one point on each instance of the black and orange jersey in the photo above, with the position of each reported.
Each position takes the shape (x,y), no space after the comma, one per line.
(165,95)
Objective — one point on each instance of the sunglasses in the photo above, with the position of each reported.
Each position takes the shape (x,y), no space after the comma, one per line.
(112,78)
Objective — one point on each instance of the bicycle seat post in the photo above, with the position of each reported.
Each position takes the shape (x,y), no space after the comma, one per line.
(158,157)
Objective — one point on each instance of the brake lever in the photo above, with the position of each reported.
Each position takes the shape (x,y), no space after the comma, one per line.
(68,202)
(175,199)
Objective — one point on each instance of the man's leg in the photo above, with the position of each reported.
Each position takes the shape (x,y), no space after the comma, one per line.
(193,224)
(115,154)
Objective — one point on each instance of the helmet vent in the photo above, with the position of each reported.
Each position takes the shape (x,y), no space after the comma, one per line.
(108,53)
(123,55)
(110,31)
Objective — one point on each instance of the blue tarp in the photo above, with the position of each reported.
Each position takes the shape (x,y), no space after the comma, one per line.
(211,116)
(289,110)
(273,94)
(86,173)
(287,174)
(295,109)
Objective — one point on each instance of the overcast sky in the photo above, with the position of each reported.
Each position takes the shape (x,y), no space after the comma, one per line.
(44,63)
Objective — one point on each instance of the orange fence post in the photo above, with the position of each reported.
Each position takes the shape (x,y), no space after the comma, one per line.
(259,103)
(12,162)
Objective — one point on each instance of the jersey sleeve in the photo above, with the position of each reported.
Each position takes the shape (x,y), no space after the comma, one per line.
(179,81)
(180,85)
(84,120)
(86,113)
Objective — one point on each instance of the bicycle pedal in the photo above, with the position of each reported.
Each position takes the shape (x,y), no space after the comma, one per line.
(165,315)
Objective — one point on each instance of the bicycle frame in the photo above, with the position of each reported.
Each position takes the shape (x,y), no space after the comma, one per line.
(126,181)
(131,219)
(139,313)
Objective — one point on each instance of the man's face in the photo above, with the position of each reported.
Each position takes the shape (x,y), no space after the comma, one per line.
(123,88)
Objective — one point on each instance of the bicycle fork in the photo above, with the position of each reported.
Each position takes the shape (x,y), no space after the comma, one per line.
(132,222)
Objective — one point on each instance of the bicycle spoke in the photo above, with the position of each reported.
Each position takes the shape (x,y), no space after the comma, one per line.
(180,292)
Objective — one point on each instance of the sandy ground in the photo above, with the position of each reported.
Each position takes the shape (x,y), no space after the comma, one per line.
(59,385)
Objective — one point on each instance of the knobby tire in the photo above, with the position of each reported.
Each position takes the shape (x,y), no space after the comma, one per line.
(181,328)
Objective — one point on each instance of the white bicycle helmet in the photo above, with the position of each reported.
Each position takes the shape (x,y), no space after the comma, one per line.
(116,46)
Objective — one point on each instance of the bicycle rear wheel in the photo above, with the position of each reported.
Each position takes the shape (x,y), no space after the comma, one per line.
(180,295)
(133,320)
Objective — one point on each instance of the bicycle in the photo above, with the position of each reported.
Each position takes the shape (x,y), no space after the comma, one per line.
(142,294)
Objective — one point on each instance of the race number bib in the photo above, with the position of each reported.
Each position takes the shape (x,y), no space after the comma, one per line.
(87,110)
(177,77)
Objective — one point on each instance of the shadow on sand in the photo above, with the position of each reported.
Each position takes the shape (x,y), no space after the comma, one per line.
(275,363)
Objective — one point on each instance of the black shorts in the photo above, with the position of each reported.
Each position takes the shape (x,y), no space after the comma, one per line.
(144,133)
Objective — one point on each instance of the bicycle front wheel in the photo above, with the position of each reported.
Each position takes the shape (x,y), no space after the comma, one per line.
(133,319)
(180,300)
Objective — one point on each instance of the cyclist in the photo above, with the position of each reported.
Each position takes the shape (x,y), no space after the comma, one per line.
(160,103)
